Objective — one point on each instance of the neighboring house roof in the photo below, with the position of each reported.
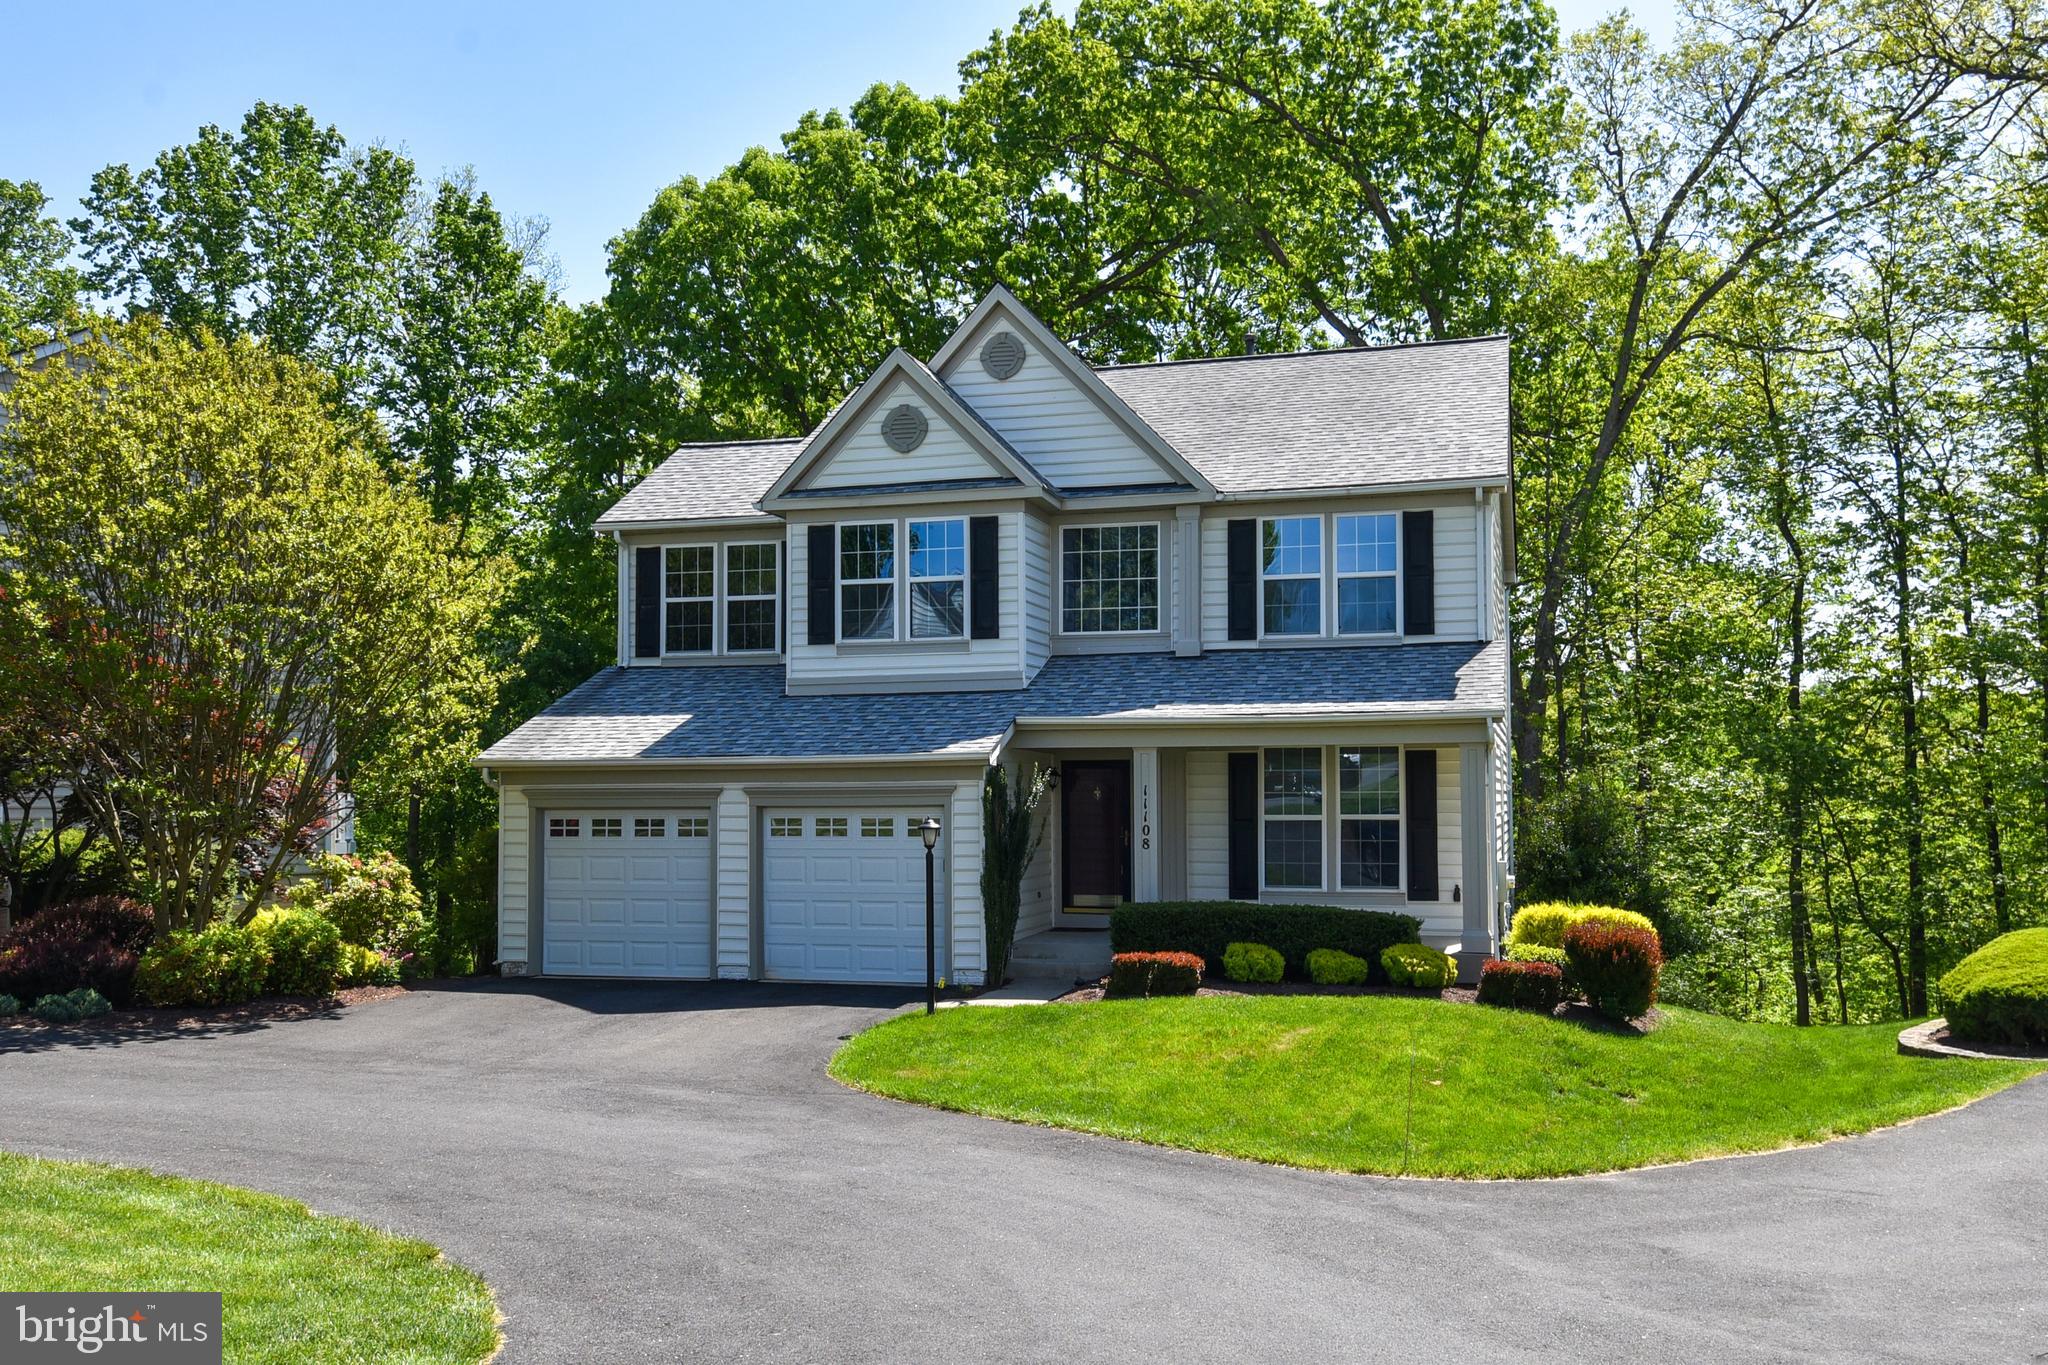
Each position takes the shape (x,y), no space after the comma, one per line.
(1332,419)
(718,480)
(685,714)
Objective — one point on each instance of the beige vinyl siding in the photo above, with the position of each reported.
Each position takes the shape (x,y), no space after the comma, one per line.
(875,665)
(968,938)
(733,822)
(863,458)
(1039,575)
(1045,415)
(1450,832)
(1457,571)
(515,861)
(1207,802)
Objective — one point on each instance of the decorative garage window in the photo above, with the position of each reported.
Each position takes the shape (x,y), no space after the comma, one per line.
(831,827)
(608,827)
(1368,557)
(867,581)
(877,827)
(910,824)
(564,827)
(938,579)
(1291,571)
(688,579)
(1109,579)
(1293,819)
(1369,818)
(649,826)
(693,827)
(785,826)
(750,597)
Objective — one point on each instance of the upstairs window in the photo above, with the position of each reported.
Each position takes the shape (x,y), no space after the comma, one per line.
(1291,575)
(938,580)
(867,581)
(688,581)
(1109,579)
(1368,557)
(750,597)
(1369,818)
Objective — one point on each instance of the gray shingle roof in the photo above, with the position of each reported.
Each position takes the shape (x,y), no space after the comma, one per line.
(683,714)
(705,482)
(1331,419)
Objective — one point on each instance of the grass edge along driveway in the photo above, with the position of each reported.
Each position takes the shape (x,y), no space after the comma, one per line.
(297,1286)
(1407,1086)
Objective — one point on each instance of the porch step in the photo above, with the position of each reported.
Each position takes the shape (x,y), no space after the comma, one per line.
(1061,952)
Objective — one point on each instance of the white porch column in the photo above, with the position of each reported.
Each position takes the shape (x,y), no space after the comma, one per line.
(735,882)
(1144,824)
(967,935)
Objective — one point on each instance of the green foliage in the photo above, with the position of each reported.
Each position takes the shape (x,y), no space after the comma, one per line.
(1521,985)
(1253,962)
(1012,827)
(38,290)
(1420,966)
(222,964)
(9,1005)
(1615,966)
(1146,974)
(70,1007)
(1999,994)
(63,865)
(1536,952)
(362,966)
(1545,924)
(1209,927)
(1580,843)
(305,952)
(371,901)
(1334,967)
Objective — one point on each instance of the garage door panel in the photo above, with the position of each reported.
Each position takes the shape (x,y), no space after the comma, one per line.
(843,895)
(626,894)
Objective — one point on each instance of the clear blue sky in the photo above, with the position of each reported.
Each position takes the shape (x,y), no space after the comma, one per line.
(576,113)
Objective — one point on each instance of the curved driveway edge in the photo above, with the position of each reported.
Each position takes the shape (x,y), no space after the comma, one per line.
(666,1172)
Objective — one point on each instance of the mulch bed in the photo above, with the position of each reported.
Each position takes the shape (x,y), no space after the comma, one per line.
(147,1021)
(1571,1012)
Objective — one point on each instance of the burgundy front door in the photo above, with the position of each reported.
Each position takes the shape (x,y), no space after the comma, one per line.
(1095,832)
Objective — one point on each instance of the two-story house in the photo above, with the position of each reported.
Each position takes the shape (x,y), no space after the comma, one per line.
(1251,611)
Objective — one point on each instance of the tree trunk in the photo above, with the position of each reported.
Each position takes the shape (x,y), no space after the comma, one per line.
(1803,969)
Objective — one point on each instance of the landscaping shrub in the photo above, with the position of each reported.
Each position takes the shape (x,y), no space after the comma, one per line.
(1999,994)
(222,964)
(1615,966)
(1209,927)
(115,920)
(1414,964)
(1521,985)
(66,866)
(1253,962)
(1335,967)
(89,943)
(362,966)
(371,902)
(304,950)
(1543,924)
(70,1007)
(9,1005)
(1143,974)
(1536,952)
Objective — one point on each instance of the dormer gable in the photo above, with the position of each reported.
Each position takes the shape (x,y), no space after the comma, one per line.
(1050,407)
(900,431)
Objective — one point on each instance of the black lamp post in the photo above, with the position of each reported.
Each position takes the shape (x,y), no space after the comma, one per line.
(929,832)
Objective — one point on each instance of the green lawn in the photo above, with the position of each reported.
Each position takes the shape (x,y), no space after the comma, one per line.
(297,1286)
(1396,1085)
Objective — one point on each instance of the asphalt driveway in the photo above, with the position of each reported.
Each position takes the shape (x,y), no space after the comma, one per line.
(666,1173)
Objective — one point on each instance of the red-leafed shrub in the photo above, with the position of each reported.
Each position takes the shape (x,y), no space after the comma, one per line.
(1140,974)
(1615,966)
(1521,985)
(114,920)
(89,943)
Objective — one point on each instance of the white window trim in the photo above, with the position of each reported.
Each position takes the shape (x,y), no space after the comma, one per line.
(666,652)
(1321,576)
(1059,552)
(1337,578)
(966,552)
(723,586)
(900,617)
(1399,817)
(1321,822)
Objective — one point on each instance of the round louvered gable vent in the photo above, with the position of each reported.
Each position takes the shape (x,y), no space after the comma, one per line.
(1002,355)
(904,428)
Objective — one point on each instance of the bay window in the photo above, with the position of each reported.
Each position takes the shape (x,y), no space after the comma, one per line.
(867,581)
(1109,579)
(1291,575)
(938,579)
(1368,554)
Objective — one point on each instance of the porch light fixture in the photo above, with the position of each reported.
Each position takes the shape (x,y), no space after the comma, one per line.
(929,832)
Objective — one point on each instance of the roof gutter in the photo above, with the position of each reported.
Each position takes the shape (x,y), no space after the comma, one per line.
(486,761)
(1361,490)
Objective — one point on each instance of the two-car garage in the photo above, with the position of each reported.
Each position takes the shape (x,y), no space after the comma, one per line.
(839,896)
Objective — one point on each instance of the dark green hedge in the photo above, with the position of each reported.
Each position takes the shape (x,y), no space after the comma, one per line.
(1999,994)
(1208,927)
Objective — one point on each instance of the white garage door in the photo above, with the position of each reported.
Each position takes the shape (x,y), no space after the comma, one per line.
(626,893)
(843,895)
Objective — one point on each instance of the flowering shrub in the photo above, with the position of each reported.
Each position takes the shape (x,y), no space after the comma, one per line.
(362,966)
(1615,966)
(1420,966)
(1335,967)
(222,964)
(1253,962)
(304,950)
(1141,974)
(372,902)
(1521,985)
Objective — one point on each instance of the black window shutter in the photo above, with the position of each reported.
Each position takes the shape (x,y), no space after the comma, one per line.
(819,591)
(1421,817)
(1418,573)
(1244,579)
(1244,827)
(647,602)
(984,578)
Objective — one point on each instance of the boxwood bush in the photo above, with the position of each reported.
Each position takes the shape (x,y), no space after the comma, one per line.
(1420,966)
(1253,962)
(1999,994)
(1209,927)
(1335,967)
(1143,974)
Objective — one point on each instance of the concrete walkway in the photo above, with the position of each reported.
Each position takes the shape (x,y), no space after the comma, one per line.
(666,1173)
